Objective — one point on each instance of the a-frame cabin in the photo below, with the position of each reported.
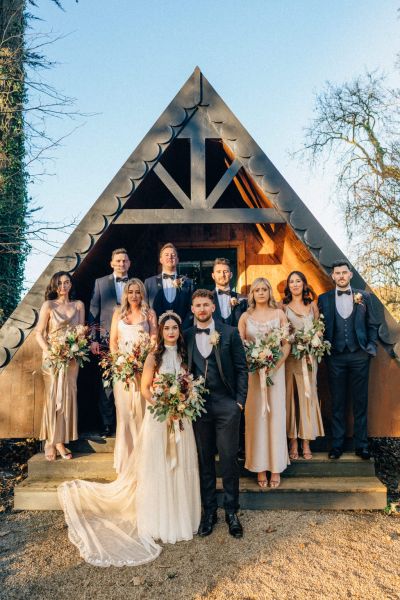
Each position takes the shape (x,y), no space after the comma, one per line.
(200,180)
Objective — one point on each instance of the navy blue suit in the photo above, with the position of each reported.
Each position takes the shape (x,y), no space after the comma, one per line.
(157,300)
(353,343)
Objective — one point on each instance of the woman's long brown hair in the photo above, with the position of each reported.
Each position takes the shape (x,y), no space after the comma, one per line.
(160,347)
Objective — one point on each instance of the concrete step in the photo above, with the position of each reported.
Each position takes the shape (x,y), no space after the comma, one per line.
(100,465)
(295,493)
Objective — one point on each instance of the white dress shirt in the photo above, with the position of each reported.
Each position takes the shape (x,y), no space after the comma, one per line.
(203,343)
(119,288)
(224,301)
(344,303)
(168,287)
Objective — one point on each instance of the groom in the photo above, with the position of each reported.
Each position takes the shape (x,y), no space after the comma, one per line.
(352,331)
(215,351)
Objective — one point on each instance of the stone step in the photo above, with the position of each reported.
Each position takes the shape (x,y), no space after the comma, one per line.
(92,443)
(295,493)
(100,465)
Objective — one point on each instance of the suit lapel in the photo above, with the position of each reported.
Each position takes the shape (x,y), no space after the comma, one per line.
(217,307)
(217,350)
(190,347)
(111,289)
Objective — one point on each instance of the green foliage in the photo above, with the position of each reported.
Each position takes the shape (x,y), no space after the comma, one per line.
(13,176)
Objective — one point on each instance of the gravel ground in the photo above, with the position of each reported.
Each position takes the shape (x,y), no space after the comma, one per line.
(284,555)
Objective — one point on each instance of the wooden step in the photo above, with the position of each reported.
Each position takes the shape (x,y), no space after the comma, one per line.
(295,493)
(100,465)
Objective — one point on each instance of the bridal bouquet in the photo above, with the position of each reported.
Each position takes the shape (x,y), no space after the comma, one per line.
(265,352)
(71,344)
(177,396)
(128,362)
(310,342)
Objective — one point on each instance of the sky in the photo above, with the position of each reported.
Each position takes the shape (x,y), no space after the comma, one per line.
(124,60)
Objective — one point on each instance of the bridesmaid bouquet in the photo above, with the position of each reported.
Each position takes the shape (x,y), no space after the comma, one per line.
(177,396)
(127,363)
(71,344)
(265,352)
(310,342)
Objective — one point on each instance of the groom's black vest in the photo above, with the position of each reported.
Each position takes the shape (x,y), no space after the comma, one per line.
(213,382)
(344,335)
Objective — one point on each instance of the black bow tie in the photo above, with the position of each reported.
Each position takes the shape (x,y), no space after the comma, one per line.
(121,279)
(207,330)
(221,292)
(166,276)
(341,292)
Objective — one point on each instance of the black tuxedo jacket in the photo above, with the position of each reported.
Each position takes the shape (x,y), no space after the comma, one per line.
(365,324)
(230,357)
(157,300)
(236,311)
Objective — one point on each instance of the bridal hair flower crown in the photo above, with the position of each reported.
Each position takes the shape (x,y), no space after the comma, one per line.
(167,314)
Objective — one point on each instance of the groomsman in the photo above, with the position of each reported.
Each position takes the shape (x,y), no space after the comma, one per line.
(168,290)
(215,351)
(229,307)
(106,296)
(353,332)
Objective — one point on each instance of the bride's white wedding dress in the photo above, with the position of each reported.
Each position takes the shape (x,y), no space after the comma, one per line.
(117,523)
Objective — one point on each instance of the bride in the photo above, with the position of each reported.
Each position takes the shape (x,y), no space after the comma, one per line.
(117,523)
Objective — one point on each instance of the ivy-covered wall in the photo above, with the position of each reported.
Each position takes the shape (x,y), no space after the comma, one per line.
(13,176)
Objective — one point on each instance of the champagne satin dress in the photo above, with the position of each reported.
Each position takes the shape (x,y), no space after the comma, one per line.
(60,412)
(303,414)
(265,413)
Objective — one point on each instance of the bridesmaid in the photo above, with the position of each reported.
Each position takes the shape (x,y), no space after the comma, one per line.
(129,320)
(265,435)
(303,418)
(59,420)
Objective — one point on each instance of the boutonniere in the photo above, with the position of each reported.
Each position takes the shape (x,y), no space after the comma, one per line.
(234,301)
(358,298)
(178,282)
(214,338)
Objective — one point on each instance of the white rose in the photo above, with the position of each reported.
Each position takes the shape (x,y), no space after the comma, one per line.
(120,360)
(254,353)
(173,390)
(181,407)
(74,348)
(316,341)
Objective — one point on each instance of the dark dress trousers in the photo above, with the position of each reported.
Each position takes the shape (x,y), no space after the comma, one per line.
(102,306)
(157,300)
(353,343)
(226,380)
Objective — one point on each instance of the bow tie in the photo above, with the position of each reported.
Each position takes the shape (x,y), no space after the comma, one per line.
(207,330)
(221,292)
(166,276)
(341,292)
(121,279)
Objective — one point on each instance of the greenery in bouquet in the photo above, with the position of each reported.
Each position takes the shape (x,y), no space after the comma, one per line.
(310,342)
(127,363)
(68,345)
(265,352)
(177,396)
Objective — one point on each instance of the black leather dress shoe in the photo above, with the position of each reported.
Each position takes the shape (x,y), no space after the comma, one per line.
(208,520)
(364,453)
(234,525)
(335,453)
(107,431)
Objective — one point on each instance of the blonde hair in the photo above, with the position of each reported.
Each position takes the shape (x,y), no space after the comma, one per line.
(125,307)
(250,299)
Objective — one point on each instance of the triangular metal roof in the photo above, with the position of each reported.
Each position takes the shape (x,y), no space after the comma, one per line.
(196,97)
